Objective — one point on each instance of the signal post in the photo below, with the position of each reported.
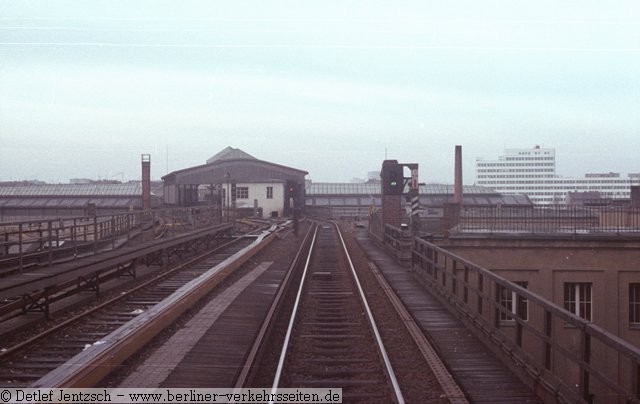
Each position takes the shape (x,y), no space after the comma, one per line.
(393,187)
(294,199)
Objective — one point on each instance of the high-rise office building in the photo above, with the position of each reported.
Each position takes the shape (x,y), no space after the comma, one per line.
(533,172)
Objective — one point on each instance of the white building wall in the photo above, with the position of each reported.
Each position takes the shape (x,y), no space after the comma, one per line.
(169,194)
(259,191)
(533,172)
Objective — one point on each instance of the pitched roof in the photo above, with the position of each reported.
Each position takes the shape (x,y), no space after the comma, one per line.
(229,153)
(230,158)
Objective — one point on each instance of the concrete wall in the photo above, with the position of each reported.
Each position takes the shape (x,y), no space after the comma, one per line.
(551,343)
(547,264)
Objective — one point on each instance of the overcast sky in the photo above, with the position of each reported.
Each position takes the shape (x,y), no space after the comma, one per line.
(325,86)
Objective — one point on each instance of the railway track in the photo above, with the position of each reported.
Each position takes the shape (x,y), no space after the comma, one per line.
(24,363)
(332,339)
(331,342)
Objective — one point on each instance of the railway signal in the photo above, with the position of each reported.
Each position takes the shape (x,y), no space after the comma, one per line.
(291,190)
(292,195)
(392,178)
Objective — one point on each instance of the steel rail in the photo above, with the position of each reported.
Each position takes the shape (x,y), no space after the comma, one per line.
(273,311)
(389,369)
(90,366)
(285,345)
(105,266)
(110,259)
(392,376)
(57,327)
(450,387)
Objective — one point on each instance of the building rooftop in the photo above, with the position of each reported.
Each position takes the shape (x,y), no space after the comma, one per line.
(324,194)
(230,153)
(73,190)
(73,196)
(373,188)
(69,202)
(234,163)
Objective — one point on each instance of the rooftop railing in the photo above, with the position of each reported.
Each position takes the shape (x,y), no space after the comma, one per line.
(564,357)
(561,219)
(44,241)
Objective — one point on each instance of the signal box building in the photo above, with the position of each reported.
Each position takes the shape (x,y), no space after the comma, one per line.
(233,179)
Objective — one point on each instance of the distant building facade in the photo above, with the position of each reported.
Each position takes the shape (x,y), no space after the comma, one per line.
(236,182)
(533,172)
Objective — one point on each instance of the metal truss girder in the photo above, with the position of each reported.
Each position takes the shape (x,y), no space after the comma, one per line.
(127,269)
(38,304)
(91,283)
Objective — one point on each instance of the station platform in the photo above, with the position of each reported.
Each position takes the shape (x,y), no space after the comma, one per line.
(209,350)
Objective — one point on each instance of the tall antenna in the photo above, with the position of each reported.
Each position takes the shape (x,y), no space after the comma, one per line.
(385,153)
(167,159)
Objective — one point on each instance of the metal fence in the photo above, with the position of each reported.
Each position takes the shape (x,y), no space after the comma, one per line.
(44,240)
(549,219)
(564,357)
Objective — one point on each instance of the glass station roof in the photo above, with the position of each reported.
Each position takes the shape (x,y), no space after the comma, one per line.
(128,189)
(373,188)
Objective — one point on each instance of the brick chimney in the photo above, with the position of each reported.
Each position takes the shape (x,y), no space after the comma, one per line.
(146,181)
(457,182)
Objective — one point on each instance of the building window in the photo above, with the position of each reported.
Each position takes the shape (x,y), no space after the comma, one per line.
(269,192)
(242,193)
(508,301)
(634,304)
(577,299)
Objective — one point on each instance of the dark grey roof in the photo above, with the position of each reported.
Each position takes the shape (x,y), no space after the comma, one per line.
(229,153)
(447,189)
(373,188)
(581,196)
(236,165)
(435,200)
(73,190)
(330,188)
(431,195)
(69,202)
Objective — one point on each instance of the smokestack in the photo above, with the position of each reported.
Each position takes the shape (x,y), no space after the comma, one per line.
(146,181)
(457,182)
